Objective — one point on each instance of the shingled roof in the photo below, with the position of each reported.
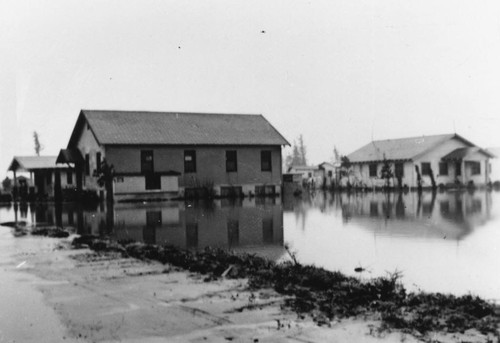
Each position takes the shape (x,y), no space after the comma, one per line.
(177,128)
(403,149)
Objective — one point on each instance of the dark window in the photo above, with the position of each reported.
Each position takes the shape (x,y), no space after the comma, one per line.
(189,161)
(373,170)
(309,174)
(153,218)
(153,181)
(443,168)
(330,173)
(69,177)
(191,235)
(426,168)
(265,160)
(267,230)
(98,162)
(231,161)
(147,161)
(475,168)
(458,168)
(231,192)
(49,178)
(233,232)
(399,169)
(87,164)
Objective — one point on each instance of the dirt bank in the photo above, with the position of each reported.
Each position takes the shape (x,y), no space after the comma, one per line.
(102,297)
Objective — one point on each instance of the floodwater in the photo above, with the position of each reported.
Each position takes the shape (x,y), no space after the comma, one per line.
(440,242)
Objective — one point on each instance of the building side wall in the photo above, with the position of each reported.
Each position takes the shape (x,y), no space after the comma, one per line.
(137,184)
(87,144)
(210,165)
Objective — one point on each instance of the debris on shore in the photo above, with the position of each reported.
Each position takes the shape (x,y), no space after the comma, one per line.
(22,228)
(324,295)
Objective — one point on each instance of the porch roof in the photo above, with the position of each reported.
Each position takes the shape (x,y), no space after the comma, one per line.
(461,153)
(30,163)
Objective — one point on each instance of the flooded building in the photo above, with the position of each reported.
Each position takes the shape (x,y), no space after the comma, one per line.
(171,154)
(45,176)
(321,175)
(448,160)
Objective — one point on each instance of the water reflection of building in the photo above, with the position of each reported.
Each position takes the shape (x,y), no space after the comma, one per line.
(243,224)
(254,225)
(440,215)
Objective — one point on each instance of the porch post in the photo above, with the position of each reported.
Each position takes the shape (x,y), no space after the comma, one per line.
(14,188)
(57,186)
(486,171)
(462,166)
(79,181)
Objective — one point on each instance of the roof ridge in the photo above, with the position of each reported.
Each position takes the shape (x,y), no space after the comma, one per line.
(414,137)
(173,112)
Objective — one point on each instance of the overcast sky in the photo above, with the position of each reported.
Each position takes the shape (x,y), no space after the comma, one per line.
(338,72)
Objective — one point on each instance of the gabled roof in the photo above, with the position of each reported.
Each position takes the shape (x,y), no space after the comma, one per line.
(176,128)
(403,149)
(28,163)
(69,156)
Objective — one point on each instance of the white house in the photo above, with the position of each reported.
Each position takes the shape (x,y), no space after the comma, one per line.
(448,159)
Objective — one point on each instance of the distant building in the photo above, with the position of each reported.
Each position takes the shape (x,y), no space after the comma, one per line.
(44,176)
(317,175)
(449,159)
(170,154)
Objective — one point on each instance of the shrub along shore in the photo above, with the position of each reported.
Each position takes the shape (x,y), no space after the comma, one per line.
(324,295)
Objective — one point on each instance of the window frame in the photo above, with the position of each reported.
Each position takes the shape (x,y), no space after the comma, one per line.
(145,162)
(69,177)
(231,161)
(443,168)
(427,169)
(371,171)
(190,166)
(399,169)
(475,168)
(98,160)
(266,161)
(87,164)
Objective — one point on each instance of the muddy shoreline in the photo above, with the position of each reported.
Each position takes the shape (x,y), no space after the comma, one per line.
(279,300)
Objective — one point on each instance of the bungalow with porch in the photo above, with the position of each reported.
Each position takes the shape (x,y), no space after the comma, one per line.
(172,154)
(446,160)
(45,176)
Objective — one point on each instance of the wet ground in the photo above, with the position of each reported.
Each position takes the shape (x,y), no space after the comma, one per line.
(51,293)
